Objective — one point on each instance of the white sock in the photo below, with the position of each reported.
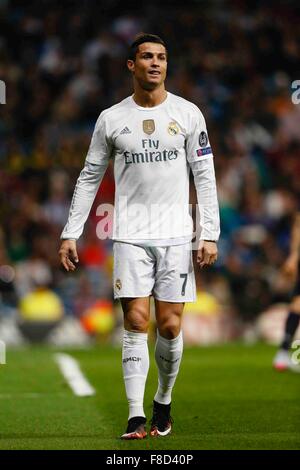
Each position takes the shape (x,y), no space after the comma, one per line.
(135,360)
(168,353)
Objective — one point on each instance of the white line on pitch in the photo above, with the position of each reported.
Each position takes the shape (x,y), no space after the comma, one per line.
(70,369)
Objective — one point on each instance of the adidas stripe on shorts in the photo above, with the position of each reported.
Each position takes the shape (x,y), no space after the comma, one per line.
(167,272)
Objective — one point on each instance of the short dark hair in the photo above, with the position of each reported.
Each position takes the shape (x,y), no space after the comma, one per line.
(140,39)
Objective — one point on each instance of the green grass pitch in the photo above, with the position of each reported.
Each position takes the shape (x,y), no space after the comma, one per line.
(226,397)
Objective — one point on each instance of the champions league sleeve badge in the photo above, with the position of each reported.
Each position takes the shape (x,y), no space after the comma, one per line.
(203,139)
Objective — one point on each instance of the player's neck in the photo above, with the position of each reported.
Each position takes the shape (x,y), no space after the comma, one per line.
(149,98)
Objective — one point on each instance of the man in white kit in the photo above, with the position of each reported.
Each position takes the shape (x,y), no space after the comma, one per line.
(154,138)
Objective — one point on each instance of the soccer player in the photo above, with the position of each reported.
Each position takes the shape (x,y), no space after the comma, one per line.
(154,138)
(282,360)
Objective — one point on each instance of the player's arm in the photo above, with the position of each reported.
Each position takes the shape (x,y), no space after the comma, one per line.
(84,194)
(291,265)
(200,158)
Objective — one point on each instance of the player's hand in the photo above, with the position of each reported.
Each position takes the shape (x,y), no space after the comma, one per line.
(68,254)
(207,253)
(290,267)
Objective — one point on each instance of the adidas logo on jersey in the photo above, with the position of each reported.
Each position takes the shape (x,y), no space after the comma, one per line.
(126,131)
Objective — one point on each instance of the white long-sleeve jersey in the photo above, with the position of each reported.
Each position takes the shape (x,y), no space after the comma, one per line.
(153,150)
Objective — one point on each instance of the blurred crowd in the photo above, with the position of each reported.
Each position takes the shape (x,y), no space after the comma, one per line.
(64,62)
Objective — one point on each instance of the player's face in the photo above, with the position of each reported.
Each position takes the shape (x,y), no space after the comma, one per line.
(150,65)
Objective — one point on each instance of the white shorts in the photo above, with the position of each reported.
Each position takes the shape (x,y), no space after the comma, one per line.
(166,272)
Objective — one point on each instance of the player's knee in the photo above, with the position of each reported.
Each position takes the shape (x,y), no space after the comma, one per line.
(136,320)
(170,327)
(295,305)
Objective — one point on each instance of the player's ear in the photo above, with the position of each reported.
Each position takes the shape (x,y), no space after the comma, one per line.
(130,65)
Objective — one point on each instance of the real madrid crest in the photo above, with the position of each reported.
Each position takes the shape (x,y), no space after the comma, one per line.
(173,128)
(118,284)
(149,126)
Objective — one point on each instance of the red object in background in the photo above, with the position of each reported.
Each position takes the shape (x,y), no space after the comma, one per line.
(93,254)
(107,188)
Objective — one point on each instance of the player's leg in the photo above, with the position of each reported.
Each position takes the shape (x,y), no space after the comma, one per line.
(168,353)
(168,348)
(135,362)
(175,285)
(292,323)
(282,360)
(133,283)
